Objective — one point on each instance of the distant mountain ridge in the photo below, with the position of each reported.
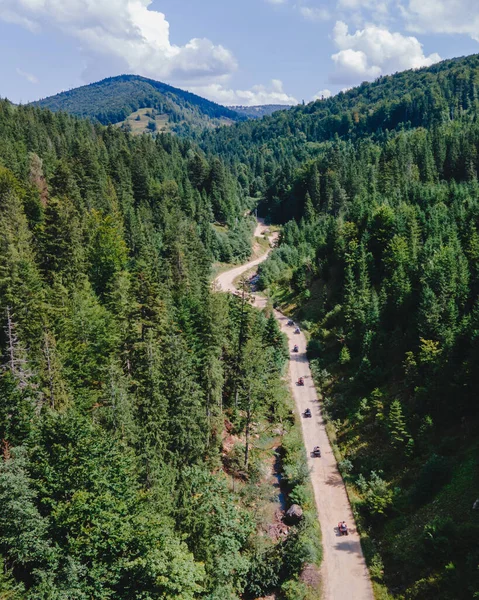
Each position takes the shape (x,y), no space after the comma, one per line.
(262,110)
(114,99)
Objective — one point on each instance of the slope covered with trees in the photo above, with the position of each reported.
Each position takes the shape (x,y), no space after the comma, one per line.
(118,365)
(270,149)
(378,258)
(112,100)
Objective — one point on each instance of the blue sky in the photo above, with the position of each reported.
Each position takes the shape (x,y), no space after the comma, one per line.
(233,52)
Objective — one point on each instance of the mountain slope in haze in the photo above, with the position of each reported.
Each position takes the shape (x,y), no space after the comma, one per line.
(262,110)
(113,100)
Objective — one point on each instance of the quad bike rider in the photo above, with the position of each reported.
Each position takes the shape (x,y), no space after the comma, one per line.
(307,413)
(301,381)
(296,348)
(317,451)
(343,528)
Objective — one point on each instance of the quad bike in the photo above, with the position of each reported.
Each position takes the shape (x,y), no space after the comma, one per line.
(343,528)
(317,451)
(300,381)
(307,413)
(296,349)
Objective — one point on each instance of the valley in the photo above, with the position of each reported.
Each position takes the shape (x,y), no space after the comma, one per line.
(146,418)
(344,574)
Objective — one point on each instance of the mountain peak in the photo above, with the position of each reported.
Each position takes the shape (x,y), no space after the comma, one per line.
(129,98)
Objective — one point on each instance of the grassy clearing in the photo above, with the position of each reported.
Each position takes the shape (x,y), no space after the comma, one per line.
(138,121)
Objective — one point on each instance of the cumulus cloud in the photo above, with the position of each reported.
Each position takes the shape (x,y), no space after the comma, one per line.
(314,13)
(373,51)
(258,94)
(125,29)
(443,16)
(323,94)
(28,76)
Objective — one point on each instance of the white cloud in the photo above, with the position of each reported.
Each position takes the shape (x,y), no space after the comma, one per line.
(28,76)
(276,1)
(376,5)
(443,16)
(373,51)
(315,13)
(258,94)
(128,30)
(323,94)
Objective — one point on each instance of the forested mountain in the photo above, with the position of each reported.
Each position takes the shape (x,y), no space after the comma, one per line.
(256,112)
(112,100)
(378,189)
(118,365)
(273,146)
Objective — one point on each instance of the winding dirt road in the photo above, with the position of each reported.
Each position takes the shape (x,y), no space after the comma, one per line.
(344,573)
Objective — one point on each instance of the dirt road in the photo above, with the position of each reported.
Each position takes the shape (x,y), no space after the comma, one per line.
(344,572)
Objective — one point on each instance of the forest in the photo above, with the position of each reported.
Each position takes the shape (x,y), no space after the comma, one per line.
(378,260)
(119,367)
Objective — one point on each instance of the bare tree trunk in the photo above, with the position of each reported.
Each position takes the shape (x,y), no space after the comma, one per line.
(248,426)
(240,342)
(49,369)
(11,342)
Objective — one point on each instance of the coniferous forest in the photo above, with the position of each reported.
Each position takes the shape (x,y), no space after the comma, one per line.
(378,193)
(119,363)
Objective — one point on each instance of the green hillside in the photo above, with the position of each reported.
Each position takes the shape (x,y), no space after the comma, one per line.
(122,371)
(284,140)
(378,192)
(114,99)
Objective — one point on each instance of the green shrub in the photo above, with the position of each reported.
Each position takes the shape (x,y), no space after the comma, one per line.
(294,590)
(264,572)
(300,495)
(376,492)
(345,467)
